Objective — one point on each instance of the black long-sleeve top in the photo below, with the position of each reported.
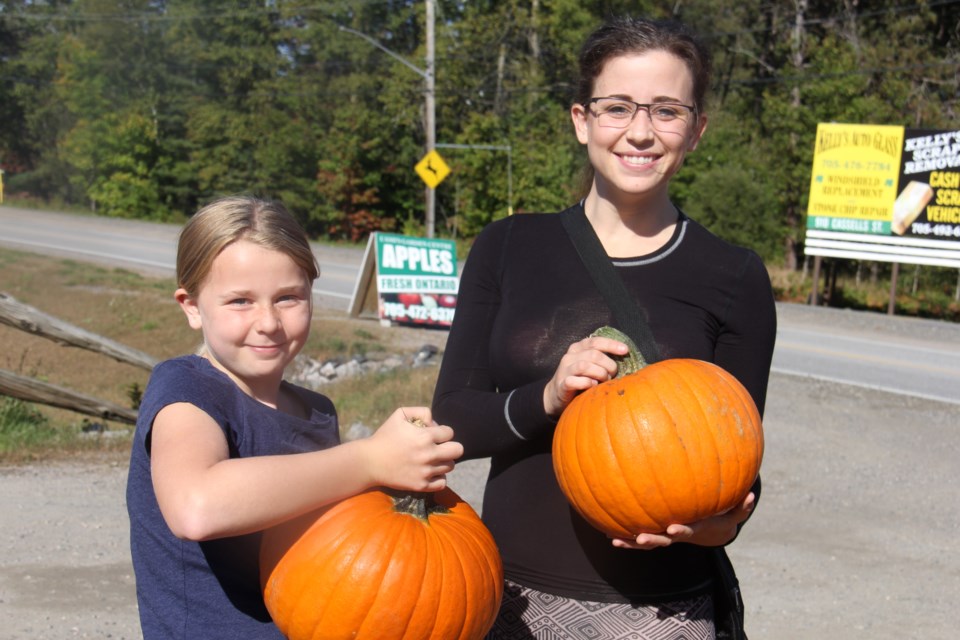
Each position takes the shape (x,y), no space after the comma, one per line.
(524,297)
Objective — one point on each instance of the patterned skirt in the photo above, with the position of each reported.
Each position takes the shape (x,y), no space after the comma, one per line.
(526,614)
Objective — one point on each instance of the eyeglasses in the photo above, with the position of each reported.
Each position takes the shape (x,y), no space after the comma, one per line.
(618,113)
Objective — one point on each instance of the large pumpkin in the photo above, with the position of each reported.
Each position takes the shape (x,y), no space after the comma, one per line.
(672,442)
(384,566)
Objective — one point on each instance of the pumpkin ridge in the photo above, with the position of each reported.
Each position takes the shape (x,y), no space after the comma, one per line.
(740,471)
(747,407)
(660,478)
(695,413)
(453,588)
(289,614)
(376,565)
(424,611)
(345,537)
(587,484)
(482,551)
(747,468)
(394,575)
(734,467)
(625,466)
(706,441)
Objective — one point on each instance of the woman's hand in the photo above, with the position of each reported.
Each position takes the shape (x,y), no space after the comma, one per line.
(585,364)
(711,532)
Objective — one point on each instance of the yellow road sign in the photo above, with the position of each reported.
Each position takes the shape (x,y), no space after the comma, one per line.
(432,169)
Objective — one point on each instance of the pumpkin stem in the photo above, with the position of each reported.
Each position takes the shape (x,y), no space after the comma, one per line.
(419,504)
(627,364)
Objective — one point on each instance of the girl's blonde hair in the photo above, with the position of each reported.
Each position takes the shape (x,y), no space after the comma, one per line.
(227,220)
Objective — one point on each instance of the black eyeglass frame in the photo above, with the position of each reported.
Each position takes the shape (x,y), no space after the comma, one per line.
(642,105)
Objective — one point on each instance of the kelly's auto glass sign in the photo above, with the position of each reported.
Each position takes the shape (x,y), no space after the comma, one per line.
(885,193)
(416,279)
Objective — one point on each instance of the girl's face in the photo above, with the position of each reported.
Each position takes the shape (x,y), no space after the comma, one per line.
(254,309)
(637,161)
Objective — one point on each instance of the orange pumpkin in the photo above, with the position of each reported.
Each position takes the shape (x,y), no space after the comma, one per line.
(383,566)
(667,443)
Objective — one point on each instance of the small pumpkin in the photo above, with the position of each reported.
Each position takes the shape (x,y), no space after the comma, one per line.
(383,565)
(672,442)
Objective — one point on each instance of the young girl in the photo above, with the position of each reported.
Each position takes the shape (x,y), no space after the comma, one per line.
(225,448)
(517,353)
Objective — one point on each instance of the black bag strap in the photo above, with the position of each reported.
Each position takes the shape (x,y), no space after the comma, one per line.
(626,310)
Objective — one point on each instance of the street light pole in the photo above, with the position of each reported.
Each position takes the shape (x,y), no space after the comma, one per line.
(430,117)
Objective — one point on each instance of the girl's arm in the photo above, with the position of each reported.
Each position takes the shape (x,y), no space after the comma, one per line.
(204,494)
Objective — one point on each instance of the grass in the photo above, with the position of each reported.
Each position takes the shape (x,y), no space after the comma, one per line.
(936,298)
(139,312)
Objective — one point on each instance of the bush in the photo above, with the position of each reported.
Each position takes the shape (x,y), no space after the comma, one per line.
(22,426)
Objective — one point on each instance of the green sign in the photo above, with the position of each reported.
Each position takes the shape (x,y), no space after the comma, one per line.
(416,279)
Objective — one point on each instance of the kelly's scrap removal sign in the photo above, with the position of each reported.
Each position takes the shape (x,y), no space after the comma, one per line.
(416,280)
(929,200)
(885,193)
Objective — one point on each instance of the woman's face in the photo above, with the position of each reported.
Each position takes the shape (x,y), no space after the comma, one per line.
(637,161)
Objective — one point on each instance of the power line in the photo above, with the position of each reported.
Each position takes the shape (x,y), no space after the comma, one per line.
(329,9)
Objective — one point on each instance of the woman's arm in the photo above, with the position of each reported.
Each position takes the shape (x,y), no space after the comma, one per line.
(204,494)
(745,346)
(467,398)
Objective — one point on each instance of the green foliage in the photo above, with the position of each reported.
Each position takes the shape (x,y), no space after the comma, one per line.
(151,108)
(23,426)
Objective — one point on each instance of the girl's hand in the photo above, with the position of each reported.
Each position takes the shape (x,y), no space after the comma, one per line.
(414,457)
(584,365)
(711,532)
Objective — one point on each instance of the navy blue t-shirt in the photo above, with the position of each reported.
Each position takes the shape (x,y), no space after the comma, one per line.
(211,589)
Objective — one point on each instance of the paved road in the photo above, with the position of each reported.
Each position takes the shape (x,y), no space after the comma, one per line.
(920,358)
(898,355)
(147,246)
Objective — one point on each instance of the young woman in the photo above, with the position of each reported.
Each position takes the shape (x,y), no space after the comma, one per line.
(225,448)
(517,353)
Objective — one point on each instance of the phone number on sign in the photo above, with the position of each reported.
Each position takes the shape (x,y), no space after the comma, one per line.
(942,230)
(398,311)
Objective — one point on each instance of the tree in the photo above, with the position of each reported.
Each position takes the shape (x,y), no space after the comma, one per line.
(152,107)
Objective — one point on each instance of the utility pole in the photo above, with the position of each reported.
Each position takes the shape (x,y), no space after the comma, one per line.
(430,116)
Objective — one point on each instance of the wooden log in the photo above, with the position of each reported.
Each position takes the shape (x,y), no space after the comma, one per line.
(26,318)
(32,390)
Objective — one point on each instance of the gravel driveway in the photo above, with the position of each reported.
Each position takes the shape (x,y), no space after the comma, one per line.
(856,535)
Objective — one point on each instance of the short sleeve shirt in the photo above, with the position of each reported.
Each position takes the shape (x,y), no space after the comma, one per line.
(209,589)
